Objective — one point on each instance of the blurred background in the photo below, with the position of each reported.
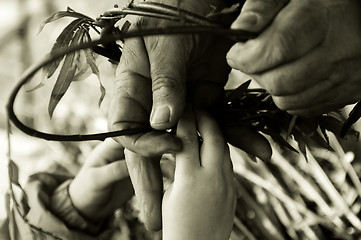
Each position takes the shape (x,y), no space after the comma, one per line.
(288,198)
(21,45)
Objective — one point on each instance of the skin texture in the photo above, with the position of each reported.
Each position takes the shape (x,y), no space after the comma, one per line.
(150,89)
(200,203)
(103,183)
(154,79)
(307,55)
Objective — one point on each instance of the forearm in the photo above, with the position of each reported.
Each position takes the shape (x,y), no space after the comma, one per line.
(42,218)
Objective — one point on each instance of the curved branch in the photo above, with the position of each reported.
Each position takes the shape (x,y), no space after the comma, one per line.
(238,35)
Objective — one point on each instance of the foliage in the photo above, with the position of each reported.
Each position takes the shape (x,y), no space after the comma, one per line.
(75,65)
(285,198)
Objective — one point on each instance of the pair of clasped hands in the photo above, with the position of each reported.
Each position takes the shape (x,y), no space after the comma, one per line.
(307,56)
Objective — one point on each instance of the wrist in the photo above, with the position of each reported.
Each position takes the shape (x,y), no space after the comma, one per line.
(62,206)
(84,204)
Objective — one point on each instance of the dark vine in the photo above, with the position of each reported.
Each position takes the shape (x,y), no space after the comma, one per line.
(239,34)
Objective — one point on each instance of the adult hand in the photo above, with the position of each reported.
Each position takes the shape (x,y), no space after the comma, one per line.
(152,76)
(103,184)
(308,54)
(200,204)
(150,89)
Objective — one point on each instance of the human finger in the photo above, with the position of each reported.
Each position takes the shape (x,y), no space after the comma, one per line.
(295,76)
(126,114)
(311,97)
(188,158)
(258,14)
(228,172)
(167,167)
(104,153)
(297,29)
(322,98)
(109,174)
(327,90)
(146,177)
(131,104)
(168,57)
(212,148)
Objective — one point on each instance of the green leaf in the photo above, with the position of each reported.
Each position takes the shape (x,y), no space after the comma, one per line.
(238,92)
(103,92)
(83,69)
(282,142)
(65,77)
(13,172)
(90,58)
(291,126)
(40,85)
(69,13)
(301,141)
(354,116)
(317,138)
(323,130)
(63,40)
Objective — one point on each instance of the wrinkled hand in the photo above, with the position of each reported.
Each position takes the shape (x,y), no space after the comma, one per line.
(150,89)
(152,77)
(103,184)
(308,54)
(200,204)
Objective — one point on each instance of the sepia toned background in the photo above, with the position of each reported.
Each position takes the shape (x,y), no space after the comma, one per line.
(21,45)
(266,209)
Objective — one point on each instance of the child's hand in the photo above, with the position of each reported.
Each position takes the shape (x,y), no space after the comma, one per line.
(200,204)
(103,184)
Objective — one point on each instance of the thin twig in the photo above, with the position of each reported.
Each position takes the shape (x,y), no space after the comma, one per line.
(241,35)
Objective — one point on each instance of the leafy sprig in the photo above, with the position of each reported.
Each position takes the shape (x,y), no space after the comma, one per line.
(75,65)
(249,108)
(255,109)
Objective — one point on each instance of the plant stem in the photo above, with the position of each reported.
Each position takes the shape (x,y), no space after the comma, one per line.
(239,34)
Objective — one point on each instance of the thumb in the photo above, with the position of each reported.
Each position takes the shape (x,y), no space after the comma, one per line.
(146,177)
(258,14)
(168,61)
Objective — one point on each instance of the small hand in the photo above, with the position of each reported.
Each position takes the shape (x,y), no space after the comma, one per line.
(200,204)
(103,184)
(307,55)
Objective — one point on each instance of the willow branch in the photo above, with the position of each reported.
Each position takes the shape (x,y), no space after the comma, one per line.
(237,35)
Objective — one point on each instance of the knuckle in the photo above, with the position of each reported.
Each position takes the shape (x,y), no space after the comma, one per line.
(165,85)
(284,46)
(276,85)
(189,138)
(246,67)
(144,22)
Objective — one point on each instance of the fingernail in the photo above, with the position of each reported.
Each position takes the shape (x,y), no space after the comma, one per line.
(245,20)
(160,115)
